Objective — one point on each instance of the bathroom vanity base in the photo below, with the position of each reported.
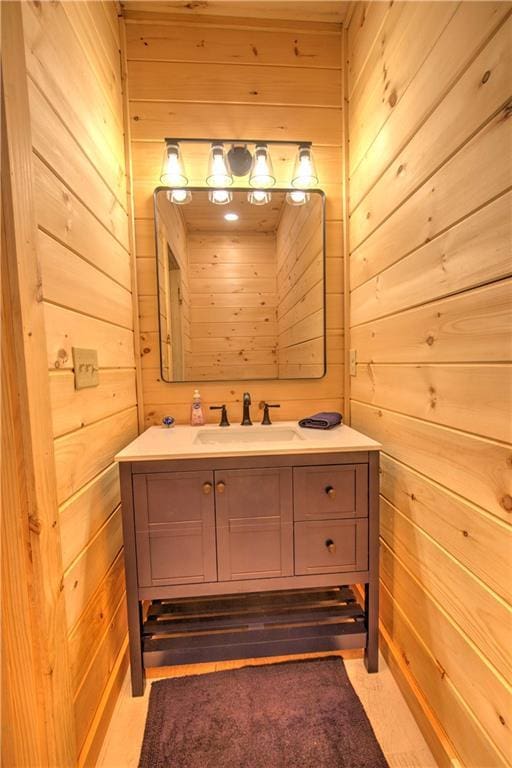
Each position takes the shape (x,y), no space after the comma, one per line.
(259,547)
(251,626)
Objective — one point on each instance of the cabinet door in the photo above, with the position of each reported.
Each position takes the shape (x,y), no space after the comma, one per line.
(254,523)
(175,528)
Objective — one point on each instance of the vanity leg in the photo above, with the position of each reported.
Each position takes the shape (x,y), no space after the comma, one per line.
(371,652)
(132,599)
(137,671)
(371,590)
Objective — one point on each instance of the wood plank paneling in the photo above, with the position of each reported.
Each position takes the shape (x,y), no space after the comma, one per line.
(483,90)
(457,45)
(445,702)
(66,328)
(318,15)
(82,454)
(184,81)
(150,121)
(478,540)
(95,621)
(36,680)
(468,327)
(448,196)
(468,397)
(59,65)
(165,42)
(223,88)
(72,409)
(77,124)
(474,252)
(431,322)
(251,271)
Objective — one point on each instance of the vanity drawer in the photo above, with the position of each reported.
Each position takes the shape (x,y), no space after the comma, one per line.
(330,492)
(324,546)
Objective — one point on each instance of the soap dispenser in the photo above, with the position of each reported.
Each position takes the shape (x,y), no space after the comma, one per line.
(196,412)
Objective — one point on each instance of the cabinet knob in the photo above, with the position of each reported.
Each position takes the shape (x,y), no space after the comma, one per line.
(207,488)
(330,491)
(221,487)
(331,546)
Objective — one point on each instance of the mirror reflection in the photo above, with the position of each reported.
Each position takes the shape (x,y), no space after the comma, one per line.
(240,284)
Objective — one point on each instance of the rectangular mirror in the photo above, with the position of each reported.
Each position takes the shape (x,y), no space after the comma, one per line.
(241,287)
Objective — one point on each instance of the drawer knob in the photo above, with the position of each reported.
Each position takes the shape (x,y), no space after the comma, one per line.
(331,546)
(330,491)
(221,487)
(207,488)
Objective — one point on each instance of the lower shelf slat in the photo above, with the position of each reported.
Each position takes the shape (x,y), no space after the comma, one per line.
(243,626)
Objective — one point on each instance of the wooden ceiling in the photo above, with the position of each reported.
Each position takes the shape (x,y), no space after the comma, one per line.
(331,12)
(202,216)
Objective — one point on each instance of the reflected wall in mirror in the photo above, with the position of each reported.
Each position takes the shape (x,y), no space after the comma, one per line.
(241,287)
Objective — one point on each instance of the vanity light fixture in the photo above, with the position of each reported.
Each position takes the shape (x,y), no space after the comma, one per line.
(220,196)
(297,197)
(262,173)
(259,196)
(250,157)
(179,196)
(304,171)
(231,216)
(173,172)
(219,172)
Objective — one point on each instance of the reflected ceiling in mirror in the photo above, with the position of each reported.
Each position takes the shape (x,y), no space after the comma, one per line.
(241,285)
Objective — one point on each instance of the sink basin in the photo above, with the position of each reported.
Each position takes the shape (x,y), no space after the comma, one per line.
(231,435)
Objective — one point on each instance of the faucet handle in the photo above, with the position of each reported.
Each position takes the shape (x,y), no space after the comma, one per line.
(266,416)
(224,415)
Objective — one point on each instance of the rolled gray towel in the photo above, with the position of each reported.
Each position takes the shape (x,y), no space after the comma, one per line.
(323,420)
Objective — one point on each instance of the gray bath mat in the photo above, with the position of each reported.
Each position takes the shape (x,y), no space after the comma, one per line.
(302,714)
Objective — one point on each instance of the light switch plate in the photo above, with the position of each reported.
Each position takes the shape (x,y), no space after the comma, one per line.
(85,364)
(353,362)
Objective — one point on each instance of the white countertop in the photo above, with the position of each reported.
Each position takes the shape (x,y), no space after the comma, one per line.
(180,442)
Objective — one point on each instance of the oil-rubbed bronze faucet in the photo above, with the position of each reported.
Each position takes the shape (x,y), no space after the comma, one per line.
(224,421)
(246,417)
(266,416)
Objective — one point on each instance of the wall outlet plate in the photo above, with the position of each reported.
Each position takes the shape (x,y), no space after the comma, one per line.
(85,364)
(353,362)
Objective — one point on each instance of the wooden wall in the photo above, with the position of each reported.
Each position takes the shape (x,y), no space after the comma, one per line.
(233,305)
(210,77)
(173,236)
(430,265)
(75,92)
(300,288)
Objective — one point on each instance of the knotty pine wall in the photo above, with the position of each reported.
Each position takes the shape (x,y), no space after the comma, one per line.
(210,77)
(430,265)
(300,288)
(173,235)
(233,333)
(75,93)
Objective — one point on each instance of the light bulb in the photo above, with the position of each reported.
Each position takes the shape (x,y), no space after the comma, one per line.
(231,216)
(219,172)
(262,173)
(220,196)
(179,196)
(304,171)
(297,197)
(259,197)
(173,172)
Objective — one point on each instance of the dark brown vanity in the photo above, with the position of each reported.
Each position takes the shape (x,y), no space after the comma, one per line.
(239,556)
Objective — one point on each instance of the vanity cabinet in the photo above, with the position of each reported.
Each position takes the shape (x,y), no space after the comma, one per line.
(249,556)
